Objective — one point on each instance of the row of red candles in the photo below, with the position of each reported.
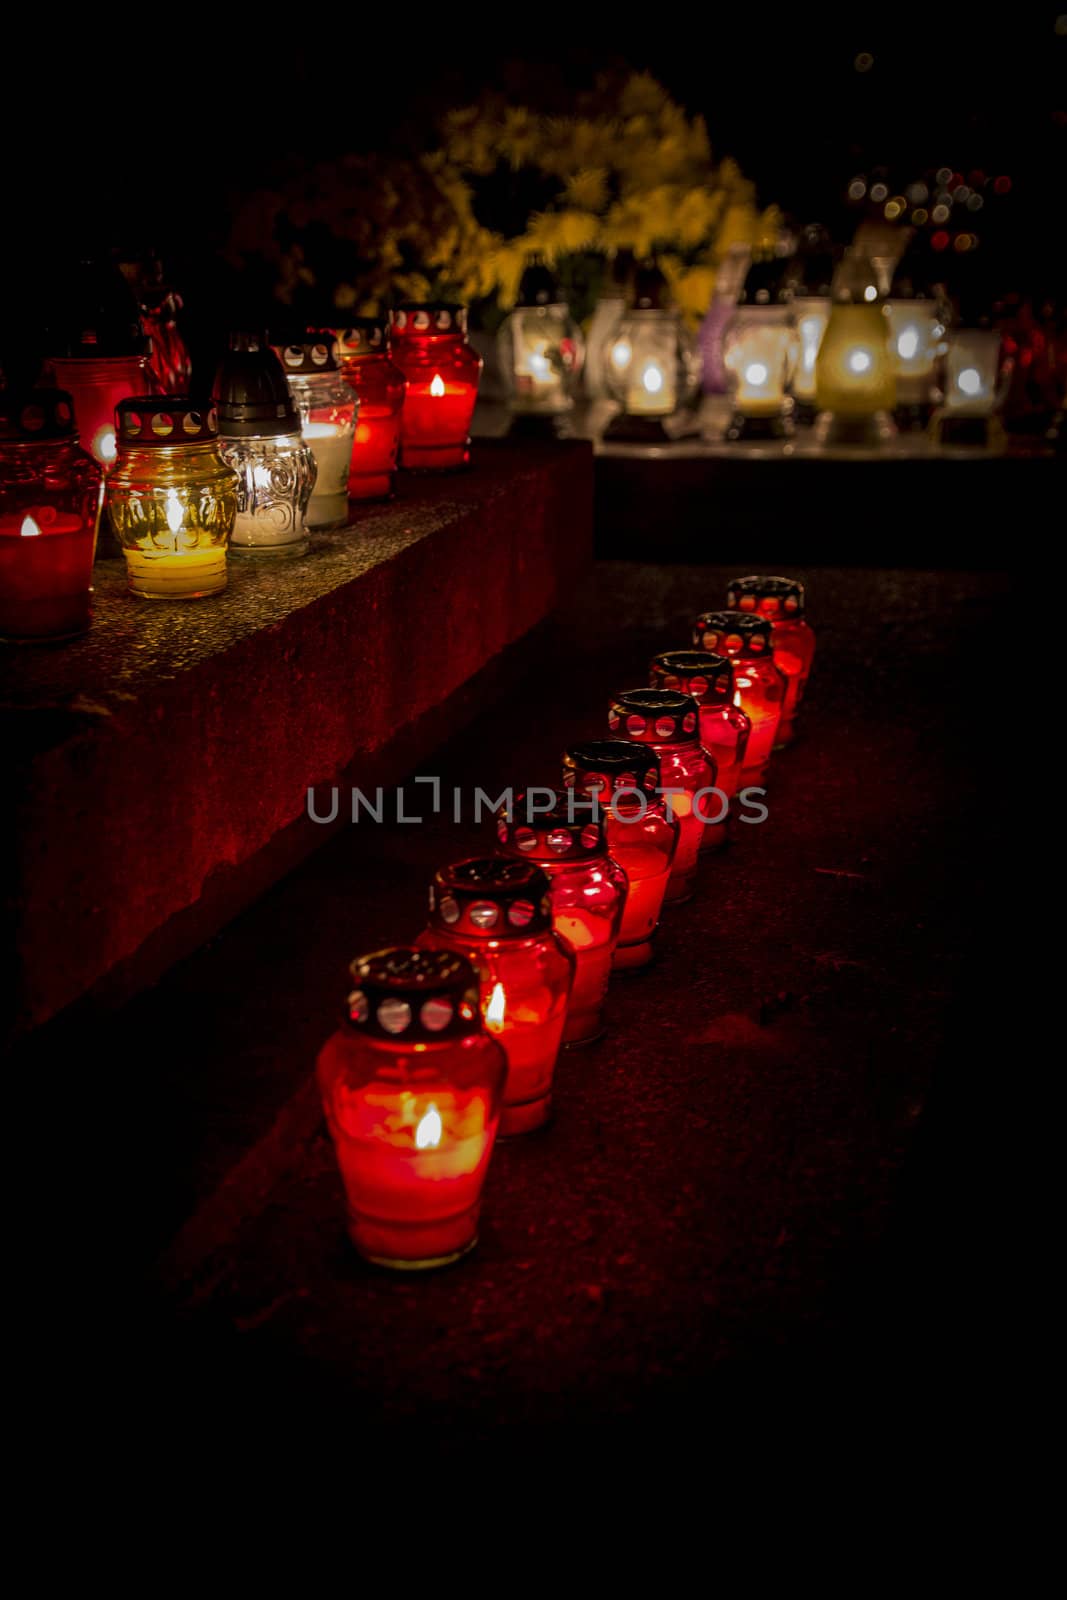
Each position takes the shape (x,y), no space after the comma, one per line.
(414,417)
(456,1038)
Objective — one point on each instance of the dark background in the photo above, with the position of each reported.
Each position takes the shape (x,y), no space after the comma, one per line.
(143,130)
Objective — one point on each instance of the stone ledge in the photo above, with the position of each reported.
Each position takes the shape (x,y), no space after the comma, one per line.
(161,764)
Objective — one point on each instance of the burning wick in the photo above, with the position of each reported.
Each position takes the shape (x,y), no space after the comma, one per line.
(652,378)
(175,513)
(437,384)
(428,1133)
(859,361)
(494,1011)
(29,529)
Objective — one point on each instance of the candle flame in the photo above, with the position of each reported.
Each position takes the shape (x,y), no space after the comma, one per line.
(756,373)
(620,355)
(175,514)
(652,378)
(104,446)
(437,384)
(30,529)
(494,1011)
(430,1128)
(908,344)
(970,380)
(859,360)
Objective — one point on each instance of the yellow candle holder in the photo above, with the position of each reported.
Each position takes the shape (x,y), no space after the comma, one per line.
(855,391)
(171,497)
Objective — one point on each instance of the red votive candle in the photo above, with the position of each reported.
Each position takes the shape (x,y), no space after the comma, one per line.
(781,601)
(412,1088)
(50,494)
(668,722)
(759,688)
(642,832)
(724,727)
(498,914)
(367,367)
(564,833)
(442,371)
(98,351)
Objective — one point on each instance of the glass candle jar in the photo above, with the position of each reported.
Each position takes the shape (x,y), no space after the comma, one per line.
(781,601)
(50,496)
(651,368)
(971,387)
(759,687)
(498,913)
(172,498)
(412,1087)
(98,352)
(668,723)
(623,778)
(854,388)
(260,436)
(810,277)
(566,838)
(442,371)
(540,348)
(327,409)
(915,334)
(759,350)
(724,727)
(369,369)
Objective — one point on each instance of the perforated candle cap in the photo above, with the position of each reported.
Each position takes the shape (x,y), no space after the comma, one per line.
(603,766)
(491,897)
(252,392)
(414,996)
(654,716)
(157,420)
(569,829)
(427,318)
(741,635)
(771,597)
(36,414)
(707,677)
(307,352)
(364,336)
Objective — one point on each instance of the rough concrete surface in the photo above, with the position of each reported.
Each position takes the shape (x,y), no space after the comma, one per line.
(748,1186)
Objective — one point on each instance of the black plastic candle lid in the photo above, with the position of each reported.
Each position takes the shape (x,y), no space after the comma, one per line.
(709,678)
(307,351)
(364,336)
(747,594)
(252,392)
(29,414)
(654,716)
(595,766)
(97,316)
(428,317)
(160,420)
(491,898)
(733,633)
(571,829)
(538,286)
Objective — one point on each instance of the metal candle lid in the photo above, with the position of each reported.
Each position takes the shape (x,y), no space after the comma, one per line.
(491,898)
(572,830)
(774,597)
(159,420)
(596,766)
(365,336)
(36,414)
(654,716)
(414,996)
(252,392)
(426,318)
(737,634)
(708,678)
(309,352)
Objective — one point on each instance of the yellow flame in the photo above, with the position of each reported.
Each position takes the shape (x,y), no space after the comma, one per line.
(175,513)
(494,1011)
(430,1128)
(437,385)
(29,529)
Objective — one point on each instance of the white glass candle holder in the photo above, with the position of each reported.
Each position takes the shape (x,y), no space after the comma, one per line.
(327,409)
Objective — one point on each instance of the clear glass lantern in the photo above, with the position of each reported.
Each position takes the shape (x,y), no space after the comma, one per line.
(260,436)
(972,387)
(540,350)
(854,388)
(327,407)
(50,497)
(810,277)
(651,368)
(172,497)
(759,352)
(412,1087)
(916,332)
(98,353)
